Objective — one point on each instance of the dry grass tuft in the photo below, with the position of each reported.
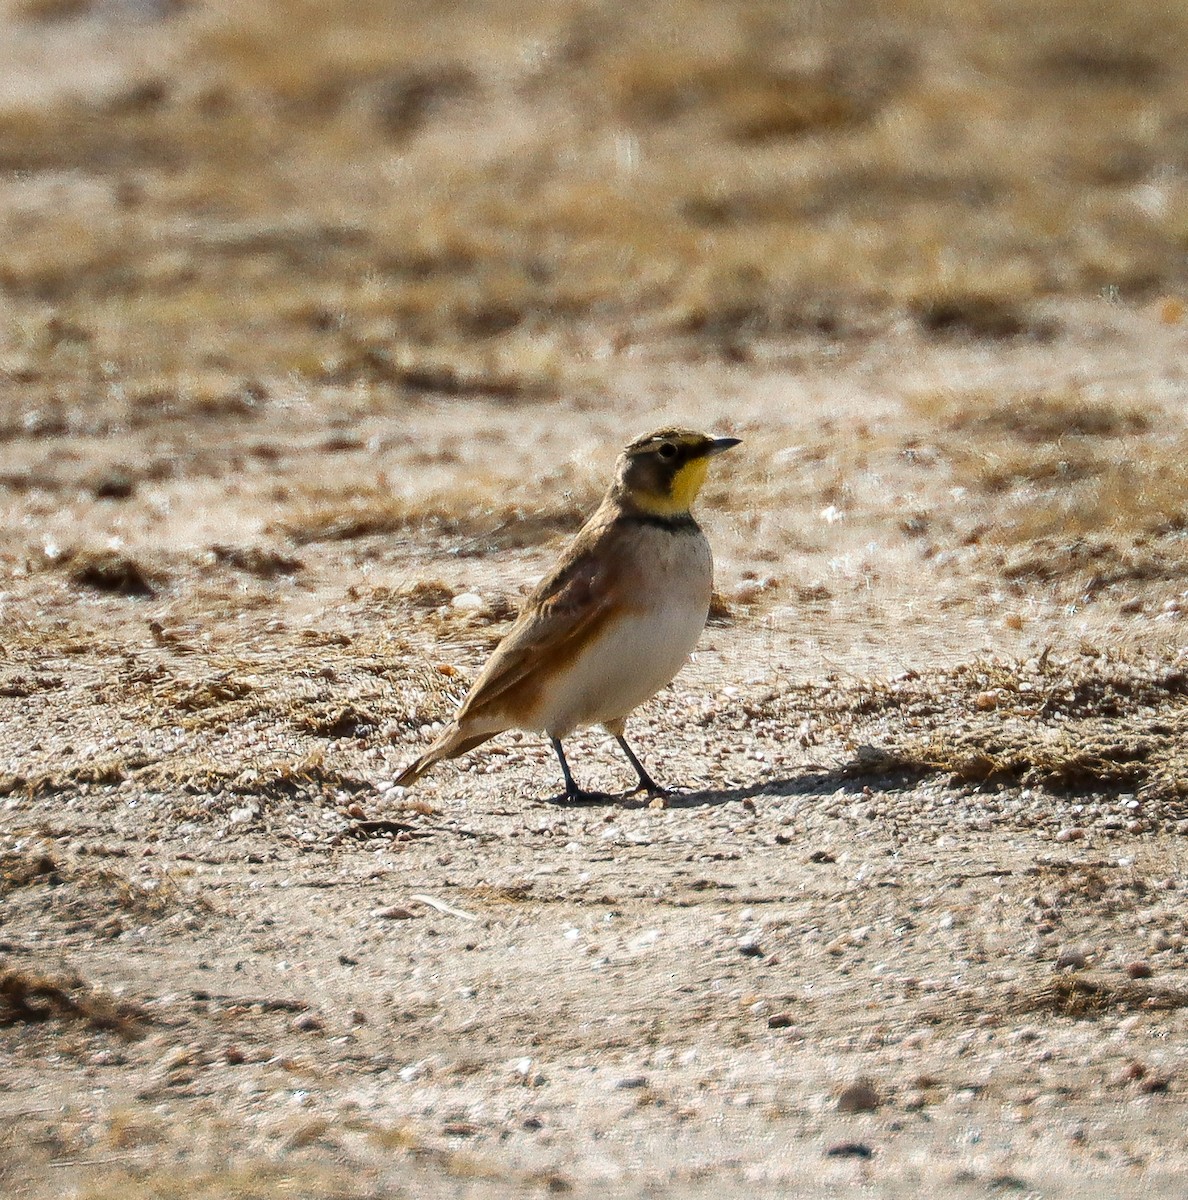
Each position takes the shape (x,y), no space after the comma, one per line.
(427,593)
(88,895)
(252,1180)
(1080,492)
(1096,565)
(481,523)
(1076,995)
(20,686)
(214,788)
(1104,725)
(1033,418)
(979,315)
(29,998)
(111,571)
(143,899)
(748,101)
(1117,758)
(508,372)
(336,721)
(21,870)
(519,892)
(198,695)
(262,561)
(109,770)
(337,518)
(1089,996)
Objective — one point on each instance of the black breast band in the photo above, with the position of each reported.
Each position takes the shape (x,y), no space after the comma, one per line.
(680,523)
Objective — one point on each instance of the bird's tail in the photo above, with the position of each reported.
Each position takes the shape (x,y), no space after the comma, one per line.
(452,742)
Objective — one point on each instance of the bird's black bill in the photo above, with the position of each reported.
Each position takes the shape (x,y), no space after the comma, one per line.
(720,444)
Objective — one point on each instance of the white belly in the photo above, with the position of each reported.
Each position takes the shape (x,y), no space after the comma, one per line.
(633,658)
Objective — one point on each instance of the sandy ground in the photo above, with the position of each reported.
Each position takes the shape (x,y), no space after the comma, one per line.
(912,922)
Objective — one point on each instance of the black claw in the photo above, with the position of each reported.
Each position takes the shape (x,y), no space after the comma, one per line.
(653,789)
(581,796)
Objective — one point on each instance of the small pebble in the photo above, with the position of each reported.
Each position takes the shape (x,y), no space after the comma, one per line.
(857,1098)
(630,1082)
(468,602)
(779,1021)
(393,912)
(1139,970)
(1071,960)
(850,1150)
(1073,834)
(308,1023)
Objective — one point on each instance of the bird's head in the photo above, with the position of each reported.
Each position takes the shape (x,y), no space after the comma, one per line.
(662,472)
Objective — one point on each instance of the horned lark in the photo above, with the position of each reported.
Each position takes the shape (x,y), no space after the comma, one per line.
(612,623)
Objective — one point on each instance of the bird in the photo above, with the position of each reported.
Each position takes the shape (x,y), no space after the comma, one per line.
(611,624)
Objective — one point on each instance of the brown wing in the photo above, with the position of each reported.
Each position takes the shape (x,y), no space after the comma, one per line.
(567,608)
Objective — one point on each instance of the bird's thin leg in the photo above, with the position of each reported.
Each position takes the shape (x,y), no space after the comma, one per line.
(646,782)
(573,793)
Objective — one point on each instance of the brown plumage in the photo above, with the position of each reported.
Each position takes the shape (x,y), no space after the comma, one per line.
(612,623)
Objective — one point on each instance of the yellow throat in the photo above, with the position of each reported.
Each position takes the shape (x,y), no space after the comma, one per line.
(685,486)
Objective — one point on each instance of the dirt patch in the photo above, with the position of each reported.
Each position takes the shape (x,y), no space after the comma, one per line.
(322,328)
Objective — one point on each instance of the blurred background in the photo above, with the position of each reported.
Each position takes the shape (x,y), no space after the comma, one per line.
(321,324)
(476,194)
(326,273)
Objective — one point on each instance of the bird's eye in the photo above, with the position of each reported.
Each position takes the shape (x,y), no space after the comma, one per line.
(667,450)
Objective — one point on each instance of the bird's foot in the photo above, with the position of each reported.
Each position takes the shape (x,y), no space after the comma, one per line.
(652,797)
(578,795)
(653,790)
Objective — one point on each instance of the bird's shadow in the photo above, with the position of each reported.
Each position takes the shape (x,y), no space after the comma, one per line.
(848,778)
